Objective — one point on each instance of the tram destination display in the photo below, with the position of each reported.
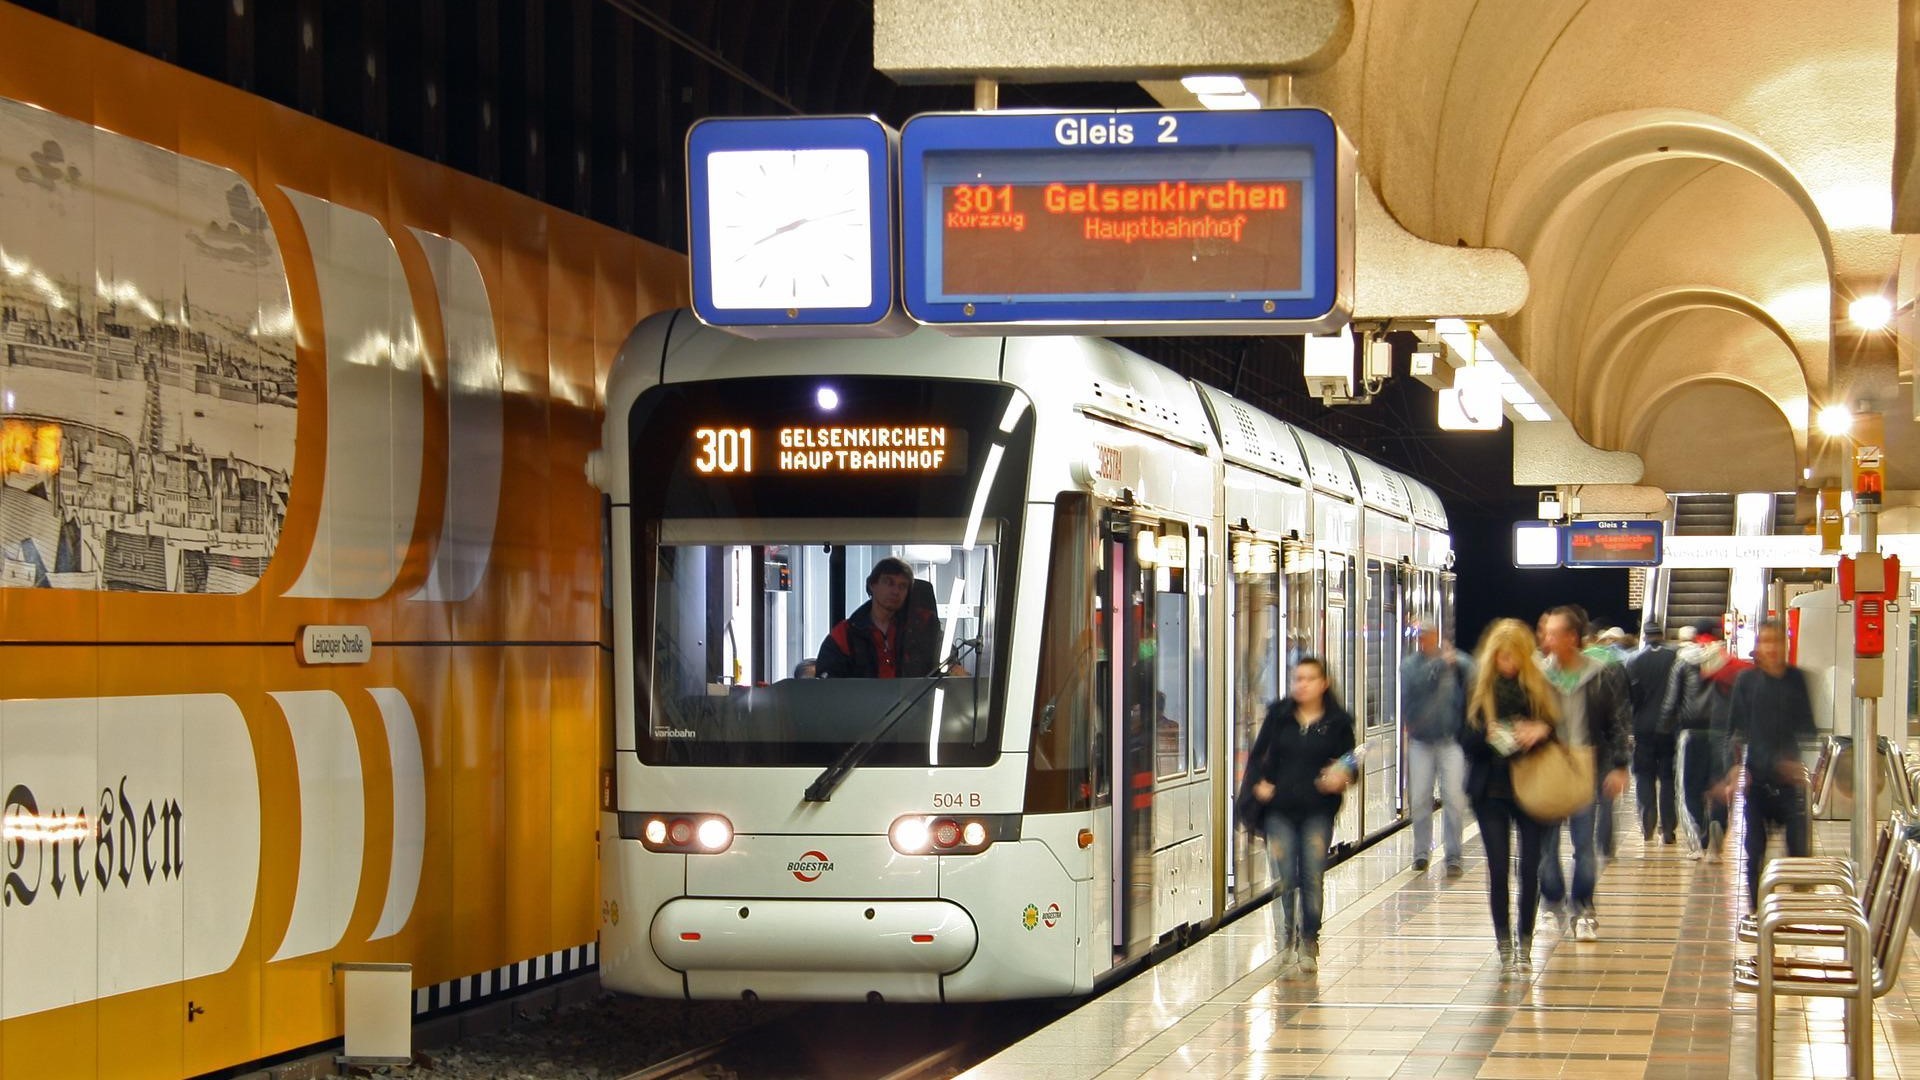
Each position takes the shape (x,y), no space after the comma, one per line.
(1174,222)
(1613,543)
(720,451)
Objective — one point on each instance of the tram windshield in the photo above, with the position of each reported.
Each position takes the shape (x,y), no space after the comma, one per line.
(786,614)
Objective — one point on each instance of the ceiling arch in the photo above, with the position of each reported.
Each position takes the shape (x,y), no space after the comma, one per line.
(1748,449)
(1619,367)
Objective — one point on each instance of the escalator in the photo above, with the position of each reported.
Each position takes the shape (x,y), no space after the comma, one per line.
(1696,594)
(1785,525)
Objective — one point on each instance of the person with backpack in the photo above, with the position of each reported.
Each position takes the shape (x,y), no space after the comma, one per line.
(1695,710)
(1433,703)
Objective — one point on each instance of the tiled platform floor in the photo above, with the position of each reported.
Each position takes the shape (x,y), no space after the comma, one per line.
(1409,986)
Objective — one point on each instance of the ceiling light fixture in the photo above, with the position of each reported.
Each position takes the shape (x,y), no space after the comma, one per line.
(1202,85)
(1870,312)
(1835,421)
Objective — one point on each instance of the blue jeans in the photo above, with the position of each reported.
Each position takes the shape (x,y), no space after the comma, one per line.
(1298,850)
(1553,884)
(1447,762)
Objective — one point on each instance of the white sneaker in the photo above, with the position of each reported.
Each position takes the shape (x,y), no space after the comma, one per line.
(1586,928)
(1310,959)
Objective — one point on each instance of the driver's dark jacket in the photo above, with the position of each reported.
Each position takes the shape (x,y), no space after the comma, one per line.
(850,651)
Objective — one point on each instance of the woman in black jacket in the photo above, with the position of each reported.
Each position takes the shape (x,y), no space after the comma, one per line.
(1512,709)
(1300,763)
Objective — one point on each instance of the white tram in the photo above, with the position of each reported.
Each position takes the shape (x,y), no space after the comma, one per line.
(1121,562)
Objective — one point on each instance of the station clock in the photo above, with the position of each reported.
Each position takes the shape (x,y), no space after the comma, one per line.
(791,226)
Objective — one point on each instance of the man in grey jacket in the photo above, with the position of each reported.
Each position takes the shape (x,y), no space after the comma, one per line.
(1594,712)
(1433,706)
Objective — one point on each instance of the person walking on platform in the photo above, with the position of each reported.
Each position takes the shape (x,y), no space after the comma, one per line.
(1433,700)
(1511,709)
(1653,775)
(1300,763)
(1769,716)
(1695,709)
(1594,713)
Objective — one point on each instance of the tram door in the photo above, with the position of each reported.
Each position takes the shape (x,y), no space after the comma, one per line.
(1255,679)
(1127,705)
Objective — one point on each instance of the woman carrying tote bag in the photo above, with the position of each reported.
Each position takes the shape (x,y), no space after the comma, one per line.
(1511,710)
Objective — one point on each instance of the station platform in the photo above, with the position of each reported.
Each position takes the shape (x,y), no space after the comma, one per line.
(1410,986)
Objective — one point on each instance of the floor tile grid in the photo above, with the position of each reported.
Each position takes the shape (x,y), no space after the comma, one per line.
(1409,986)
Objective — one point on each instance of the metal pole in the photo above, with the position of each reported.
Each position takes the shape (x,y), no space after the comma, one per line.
(986,95)
(1866,728)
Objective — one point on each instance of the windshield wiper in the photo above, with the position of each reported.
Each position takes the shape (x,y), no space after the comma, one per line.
(821,790)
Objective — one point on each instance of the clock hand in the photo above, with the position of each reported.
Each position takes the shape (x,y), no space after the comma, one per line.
(797,222)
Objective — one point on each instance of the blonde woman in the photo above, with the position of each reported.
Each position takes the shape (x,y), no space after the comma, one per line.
(1511,709)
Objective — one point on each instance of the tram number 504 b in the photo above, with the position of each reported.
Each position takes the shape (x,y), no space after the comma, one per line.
(943,800)
(723,450)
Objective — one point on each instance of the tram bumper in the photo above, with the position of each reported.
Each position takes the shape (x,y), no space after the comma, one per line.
(814,950)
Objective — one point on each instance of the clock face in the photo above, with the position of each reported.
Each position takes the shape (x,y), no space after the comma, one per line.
(790,228)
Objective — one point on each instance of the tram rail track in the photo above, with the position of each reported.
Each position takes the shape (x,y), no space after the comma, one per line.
(844,1041)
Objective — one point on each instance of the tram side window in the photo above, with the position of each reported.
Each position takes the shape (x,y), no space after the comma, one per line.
(1060,771)
(1256,640)
(1303,604)
(1198,582)
(1169,572)
(1382,642)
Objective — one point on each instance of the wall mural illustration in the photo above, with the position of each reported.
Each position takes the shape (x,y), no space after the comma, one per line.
(147,379)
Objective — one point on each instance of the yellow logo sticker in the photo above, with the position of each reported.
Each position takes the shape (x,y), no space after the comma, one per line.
(1030,917)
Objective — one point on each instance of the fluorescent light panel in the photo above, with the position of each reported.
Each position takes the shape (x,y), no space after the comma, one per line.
(1515,394)
(1214,84)
(1533,412)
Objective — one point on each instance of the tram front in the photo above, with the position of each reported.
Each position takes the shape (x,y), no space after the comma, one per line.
(814,585)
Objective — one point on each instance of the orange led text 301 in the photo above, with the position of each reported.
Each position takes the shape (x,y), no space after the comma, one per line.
(982,206)
(723,450)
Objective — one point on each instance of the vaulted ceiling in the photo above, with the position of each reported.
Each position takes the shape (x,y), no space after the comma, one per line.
(1698,191)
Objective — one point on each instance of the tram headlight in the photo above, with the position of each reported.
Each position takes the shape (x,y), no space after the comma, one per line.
(909,835)
(678,834)
(932,834)
(715,834)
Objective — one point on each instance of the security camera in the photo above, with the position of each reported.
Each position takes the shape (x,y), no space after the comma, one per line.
(1327,362)
(1550,508)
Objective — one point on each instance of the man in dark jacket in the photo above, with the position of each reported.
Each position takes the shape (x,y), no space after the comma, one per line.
(1647,675)
(884,638)
(1770,715)
(1594,712)
(1696,710)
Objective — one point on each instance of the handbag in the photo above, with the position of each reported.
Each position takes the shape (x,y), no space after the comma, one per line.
(1553,780)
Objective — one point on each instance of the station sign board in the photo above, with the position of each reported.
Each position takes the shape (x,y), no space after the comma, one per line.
(1613,543)
(1186,222)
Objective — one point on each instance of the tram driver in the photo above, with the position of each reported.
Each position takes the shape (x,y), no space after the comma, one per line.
(887,637)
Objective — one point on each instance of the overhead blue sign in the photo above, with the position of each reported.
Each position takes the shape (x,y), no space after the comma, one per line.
(790,225)
(1168,222)
(1613,543)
